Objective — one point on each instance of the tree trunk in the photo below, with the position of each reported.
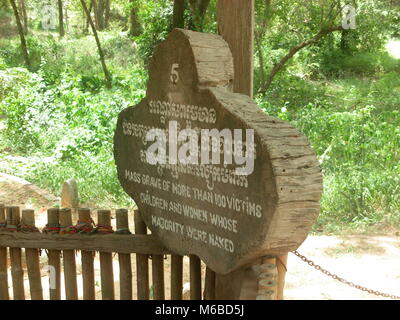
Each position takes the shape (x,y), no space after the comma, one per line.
(199,10)
(135,28)
(24,15)
(107,74)
(178,20)
(87,19)
(21,35)
(279,66)
(61,18)
(107,13)
(100,15)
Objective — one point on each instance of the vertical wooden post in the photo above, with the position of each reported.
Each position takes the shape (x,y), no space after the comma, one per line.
(32,260)
(4,295)
(106,264)
(281,264)
(71,286)
(158,276)
(209,286)
(267,286)
(236,26)
(54,258)
(142,262)
(195,278)
(125,263)
(176,277)
(17,273)
(87,263)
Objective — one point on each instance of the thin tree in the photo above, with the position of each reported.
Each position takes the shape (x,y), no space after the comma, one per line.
(24,15)
(87,19)
(21,35)
(61,18)
(107,13)
(135,28)
(107,74)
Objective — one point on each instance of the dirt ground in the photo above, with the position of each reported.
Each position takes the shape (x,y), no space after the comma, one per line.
(370,261)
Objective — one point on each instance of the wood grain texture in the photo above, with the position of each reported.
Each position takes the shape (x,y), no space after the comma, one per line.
(106,264)
(125,262)
(195,278)
(141,244)
(17,272)
(4,294)
(176,277)
(53,218)
(236,26)
(142,260)
(69,263)
(87,263)
(32,260)
(158,276)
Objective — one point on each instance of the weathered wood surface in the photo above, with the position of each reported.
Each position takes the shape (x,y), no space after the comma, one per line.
(125,262)
(32,260)
(4,294)
(236,26)
(106,264)
(176,277)
(88,277)
(53,218)
(143,244)
(69,263)
(17,272)
(142,260)
(285,186)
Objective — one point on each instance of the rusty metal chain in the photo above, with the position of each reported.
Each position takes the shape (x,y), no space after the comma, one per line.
(349,283)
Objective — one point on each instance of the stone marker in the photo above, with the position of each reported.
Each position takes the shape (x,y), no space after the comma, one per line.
(214,211)
(69,194)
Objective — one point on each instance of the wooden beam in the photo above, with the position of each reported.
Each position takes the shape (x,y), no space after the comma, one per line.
(143,244)
(236,26)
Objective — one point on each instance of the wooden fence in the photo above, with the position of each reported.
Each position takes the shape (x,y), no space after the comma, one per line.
(62,238)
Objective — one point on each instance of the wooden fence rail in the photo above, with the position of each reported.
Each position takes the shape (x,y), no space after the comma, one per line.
(62,239)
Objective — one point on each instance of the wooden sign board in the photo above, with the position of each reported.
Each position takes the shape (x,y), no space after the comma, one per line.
(213,210)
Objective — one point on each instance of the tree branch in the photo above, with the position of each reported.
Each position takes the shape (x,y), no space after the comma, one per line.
(279,66)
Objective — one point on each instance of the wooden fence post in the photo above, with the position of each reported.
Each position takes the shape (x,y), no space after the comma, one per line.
(88,279)
(142,262)
(71,286)
(125,263)
(158,276)
(106,263)
(195,278)
(4,295)
(54,256)
(176,277)
(32,258)
(281,263)
(17,273)
(209,286)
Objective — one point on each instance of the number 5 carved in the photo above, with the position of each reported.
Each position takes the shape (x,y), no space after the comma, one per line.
(174,73)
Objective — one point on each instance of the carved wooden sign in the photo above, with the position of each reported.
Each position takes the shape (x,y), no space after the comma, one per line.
(211,173)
